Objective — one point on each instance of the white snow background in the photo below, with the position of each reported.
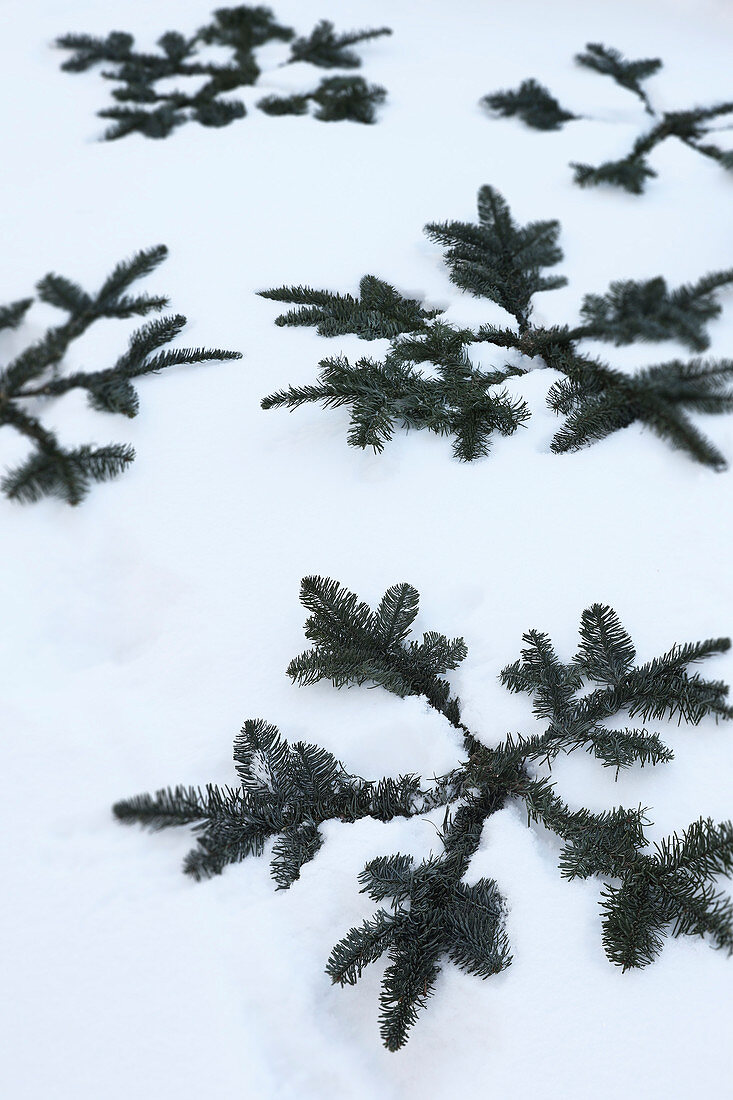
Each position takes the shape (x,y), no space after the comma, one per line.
(140,629)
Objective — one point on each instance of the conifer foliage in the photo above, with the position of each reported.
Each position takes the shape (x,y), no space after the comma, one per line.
(499,259)
(533,103)
(328,50)
(536,106)
(505,262)
(380,311)
(144,107)
(430,913)
(337,99)
(36,374)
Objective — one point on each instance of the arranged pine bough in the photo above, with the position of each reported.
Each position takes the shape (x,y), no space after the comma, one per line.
(36,374)
(287,791)
(144,107)
(538,108)
(504,262)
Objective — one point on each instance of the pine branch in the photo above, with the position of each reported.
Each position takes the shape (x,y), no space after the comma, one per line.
(498,259)
(648,310)
(338,99)
(12,315)
(627,74)
(380,311)
(352,645)
(538,108)
(462,400)
(433,915)
(347,98)
(630,173)
(244,29)
(37,373)
(531,102)
(288,791)
(65,474)
(659,397)
(329,50)
(143,105)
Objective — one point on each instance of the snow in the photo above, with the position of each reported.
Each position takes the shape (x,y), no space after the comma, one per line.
(141,629)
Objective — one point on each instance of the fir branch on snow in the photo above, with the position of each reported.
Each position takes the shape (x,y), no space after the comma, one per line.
(502,261)
(535,105)
(155,111)
(498,259)
(328,50)
(600,401)
(36,374)
(650,311)
(338,99)
(627,74)
(287,792)
(379,312)
(462,400)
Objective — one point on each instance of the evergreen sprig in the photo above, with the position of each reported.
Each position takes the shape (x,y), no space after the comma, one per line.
(337,99)
(499,259)
(287,792)
(36,374)
(648,310)
(379,312)
(145,106)
(627,74)
(536,106)
(504,262)
(461,400)
(601,401)
(328,50)
(533,103)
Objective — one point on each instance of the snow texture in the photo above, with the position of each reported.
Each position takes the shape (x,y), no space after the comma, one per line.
(141,629)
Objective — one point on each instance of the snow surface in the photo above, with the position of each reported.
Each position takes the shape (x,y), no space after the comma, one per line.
(141,629)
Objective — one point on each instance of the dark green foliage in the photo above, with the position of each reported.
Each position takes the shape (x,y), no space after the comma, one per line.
(244,29)
(503,261)
(650,311)
(284,105)
(53,471)
(533,103)
(348,98)
(601,401)
(36,374)
(631,173)
(499,259)
(144,107)
(380,311)
(659,689)
(629,74)
(338,99)
(352,644)
(670,891)
(329,50)
(432,914)
(286,793)
(460,400)
(12,315)
(536,107)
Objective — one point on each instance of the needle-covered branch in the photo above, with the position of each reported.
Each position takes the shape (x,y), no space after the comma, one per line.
(145,102)
(537,108)
(431,913)
(429,379)
(36,375)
